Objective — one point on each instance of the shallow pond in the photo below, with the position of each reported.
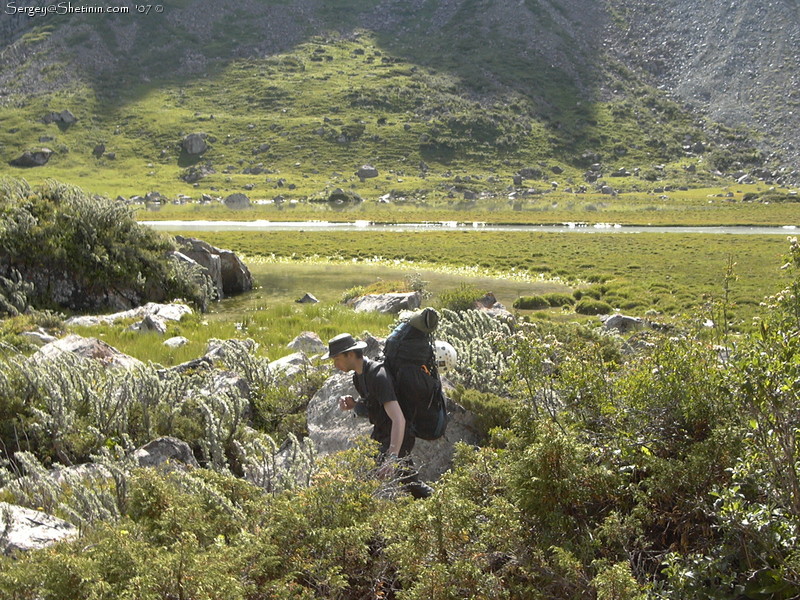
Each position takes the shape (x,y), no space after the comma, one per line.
(284,283)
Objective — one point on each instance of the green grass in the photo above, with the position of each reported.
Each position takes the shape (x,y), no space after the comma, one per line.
(670,274)
(272,327)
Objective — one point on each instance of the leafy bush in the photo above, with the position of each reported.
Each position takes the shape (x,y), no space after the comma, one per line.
(590,306)
(56,234)
(557,300)
(461,298)
(531,303)
(492,411)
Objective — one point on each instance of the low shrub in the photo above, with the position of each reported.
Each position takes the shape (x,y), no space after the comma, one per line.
(590,306)
(559,299)
(460,299)
(531,303)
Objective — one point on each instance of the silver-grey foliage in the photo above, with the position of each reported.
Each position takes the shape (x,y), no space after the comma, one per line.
(478,339)
(115,410)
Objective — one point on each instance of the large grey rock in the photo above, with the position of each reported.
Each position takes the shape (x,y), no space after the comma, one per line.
(216,349)
(367,172)
(333,430)
(166,312)
(151,324)
(290,365)
(307,299)
(38,337)
(87,348)
(236,277)
(23,529)
(386,303)
(210,259)
(622,323)
(32,158)
(165,450)
(237,201)
(194,143)
(308,342)
(176,342)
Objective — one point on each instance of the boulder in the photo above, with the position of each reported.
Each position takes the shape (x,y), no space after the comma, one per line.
(236,277)
(218,349)
(23,529)
(290,365)
(66,117)
(237,201)
(194,143)
(307,299)
(154,324)
(165,450)
(32,158)
(205,255)
(374,347)
(333,430)
(167,312)
(87,348)
(386,303)
(340,196)
(176,342)
(38,337)
(308,342)
(367,172)
(622,323)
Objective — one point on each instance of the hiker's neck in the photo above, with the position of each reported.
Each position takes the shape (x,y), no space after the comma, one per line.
(358,365)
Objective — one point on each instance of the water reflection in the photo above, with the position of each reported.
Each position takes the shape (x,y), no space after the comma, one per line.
(261,225)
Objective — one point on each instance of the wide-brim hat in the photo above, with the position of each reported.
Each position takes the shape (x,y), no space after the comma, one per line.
(344,342)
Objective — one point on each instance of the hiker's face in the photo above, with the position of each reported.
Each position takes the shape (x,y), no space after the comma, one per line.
(344,361)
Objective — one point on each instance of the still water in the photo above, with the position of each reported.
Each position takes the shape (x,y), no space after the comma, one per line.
(455,226)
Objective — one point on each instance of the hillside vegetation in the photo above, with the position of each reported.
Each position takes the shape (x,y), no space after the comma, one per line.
(292,113)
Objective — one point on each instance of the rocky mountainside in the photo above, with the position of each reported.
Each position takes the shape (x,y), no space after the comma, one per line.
(730,63)
(737,62)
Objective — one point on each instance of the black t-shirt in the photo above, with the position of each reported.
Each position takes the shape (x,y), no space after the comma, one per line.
(376,388)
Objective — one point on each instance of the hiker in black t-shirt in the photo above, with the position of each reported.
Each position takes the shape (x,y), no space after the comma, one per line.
(378,402)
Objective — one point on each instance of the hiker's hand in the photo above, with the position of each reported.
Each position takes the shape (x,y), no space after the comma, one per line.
(347,403)
(388,467)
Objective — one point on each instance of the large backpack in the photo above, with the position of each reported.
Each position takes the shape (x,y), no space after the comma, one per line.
(409,358)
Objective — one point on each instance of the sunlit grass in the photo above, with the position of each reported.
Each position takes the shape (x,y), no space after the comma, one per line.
(271,327)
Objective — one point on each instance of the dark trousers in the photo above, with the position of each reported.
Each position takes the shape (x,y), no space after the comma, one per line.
(405,470)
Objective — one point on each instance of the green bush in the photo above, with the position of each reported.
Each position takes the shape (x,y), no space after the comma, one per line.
(559,299)
(531,303)
(590,306)
(491,410)
(58,232)
(460,299)
(590,292)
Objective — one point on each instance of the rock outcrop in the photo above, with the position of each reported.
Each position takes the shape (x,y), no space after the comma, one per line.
(226,270)
(32,158)
(386,303)
(87,348)
(23,529)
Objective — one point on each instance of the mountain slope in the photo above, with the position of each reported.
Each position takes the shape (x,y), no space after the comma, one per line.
(474,86)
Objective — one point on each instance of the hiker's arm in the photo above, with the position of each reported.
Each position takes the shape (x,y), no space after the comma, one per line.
(398,426)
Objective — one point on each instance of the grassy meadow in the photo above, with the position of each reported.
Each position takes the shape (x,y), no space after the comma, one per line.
(662,275)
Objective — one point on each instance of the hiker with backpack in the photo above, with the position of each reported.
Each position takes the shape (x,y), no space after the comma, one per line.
(380,404)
